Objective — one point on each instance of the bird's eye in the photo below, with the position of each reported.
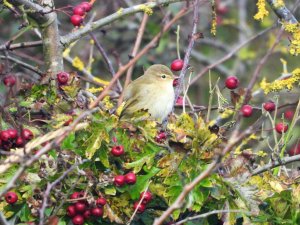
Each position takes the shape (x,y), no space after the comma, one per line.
(163,76)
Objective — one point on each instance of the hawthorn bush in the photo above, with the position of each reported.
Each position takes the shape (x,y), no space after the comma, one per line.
(229,152)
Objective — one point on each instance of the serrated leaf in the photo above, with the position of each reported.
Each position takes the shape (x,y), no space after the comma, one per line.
(24,213)
(138,165)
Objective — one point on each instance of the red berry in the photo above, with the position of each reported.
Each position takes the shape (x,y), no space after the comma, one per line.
(26,134)
(87,214)
(71,211)
(232,82)
(175,82)
(281,127)
(160,137)
(13,133)
(117,150)
(247,110)
(11,197)
(86,5)
(76,20)
(130,178)
(101,201)
(269,106)
(289,114)
(179,100)
(222,10)
(77,195)
(63,78)
(20,142)
(295,150)
(97,212)
(119,180)
(78,220)
(9,80)
(80,207)
(78,10)
(4,135)
(147,197)
(177,65)
(141,208)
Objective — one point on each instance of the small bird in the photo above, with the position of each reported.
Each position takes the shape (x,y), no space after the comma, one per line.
(153,92)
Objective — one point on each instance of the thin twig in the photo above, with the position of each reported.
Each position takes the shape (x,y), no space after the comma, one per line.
(29,44)
(106,60)
(208,214)
(23,64)
(229,55)
(193,37)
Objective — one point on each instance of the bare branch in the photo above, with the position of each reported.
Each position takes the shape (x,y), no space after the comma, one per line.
(193,37)
(21,45)
(282,11)
(283,161)
(69,38)
(23,64)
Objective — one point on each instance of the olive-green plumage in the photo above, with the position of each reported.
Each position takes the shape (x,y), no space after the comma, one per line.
(153,91)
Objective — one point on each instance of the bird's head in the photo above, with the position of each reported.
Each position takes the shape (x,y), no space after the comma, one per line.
(160,73)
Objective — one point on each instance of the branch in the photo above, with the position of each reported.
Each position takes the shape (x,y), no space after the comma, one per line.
(208,214)
(282,11)
(193,37)
(20,45)
(281,162)
(25,65)
(69,38)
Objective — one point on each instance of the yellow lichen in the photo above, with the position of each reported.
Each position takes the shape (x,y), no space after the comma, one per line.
(279,85)
(77,63)
(120,11)
(101,81)
(95,90)
(279,3)
(107,103)
(7,4)
(213,29)
(262,11)
(92,42)
(146,9)
(227,113)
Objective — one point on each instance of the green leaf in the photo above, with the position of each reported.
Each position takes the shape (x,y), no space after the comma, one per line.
(24,213)
(95,143)
(69,142)
(138,165)
(103,156)
(110,190)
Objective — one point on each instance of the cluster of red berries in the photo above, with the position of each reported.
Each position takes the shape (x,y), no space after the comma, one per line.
(232,82)
(10,138)
(79,11)
(129,178)
(9,80)
(81,210)
(11,197)
(147,197)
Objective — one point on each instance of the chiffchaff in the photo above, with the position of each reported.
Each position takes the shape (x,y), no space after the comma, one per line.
(153,92)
